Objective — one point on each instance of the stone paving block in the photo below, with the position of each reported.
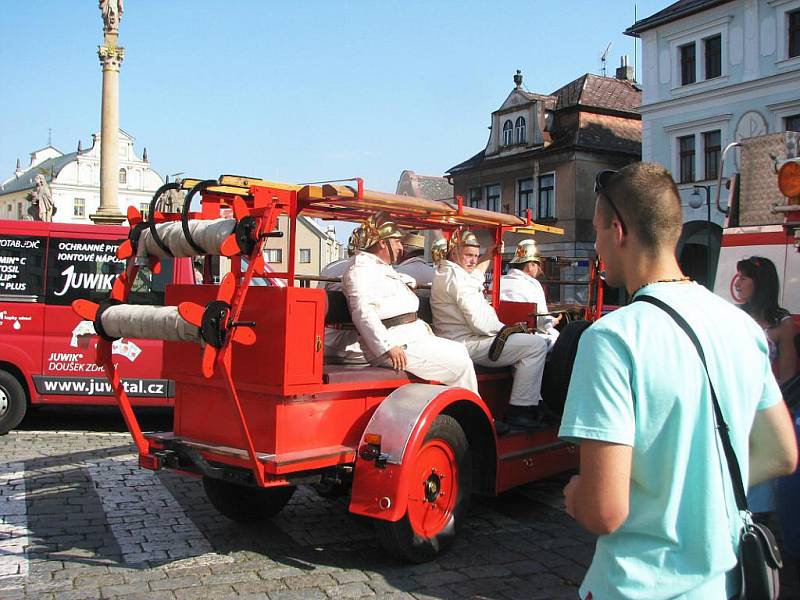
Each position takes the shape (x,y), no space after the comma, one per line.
(109,591)
(86,593)
(162,595)
(175,583)
(206,592)
(306,594)
(229,578)
(260,586)
(320,580)
(350,590)
(350,576)
(279,572)
(440,578)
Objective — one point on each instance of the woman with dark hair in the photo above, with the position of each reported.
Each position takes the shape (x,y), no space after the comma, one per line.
(758,286)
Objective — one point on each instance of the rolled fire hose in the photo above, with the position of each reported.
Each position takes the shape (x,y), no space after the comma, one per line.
(208,234)
(147,322)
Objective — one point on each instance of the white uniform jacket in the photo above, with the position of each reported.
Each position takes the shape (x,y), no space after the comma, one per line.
(375,291)
(417,268)
(460,310)
(517,286)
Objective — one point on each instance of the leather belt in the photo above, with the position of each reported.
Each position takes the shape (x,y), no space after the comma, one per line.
(399,320)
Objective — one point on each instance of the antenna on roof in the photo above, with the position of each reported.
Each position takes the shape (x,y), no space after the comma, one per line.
(49,136)
(603,58)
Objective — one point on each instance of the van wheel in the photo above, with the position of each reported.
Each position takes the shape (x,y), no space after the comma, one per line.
(246,504)
(12,402)
(438,497)
(558,370)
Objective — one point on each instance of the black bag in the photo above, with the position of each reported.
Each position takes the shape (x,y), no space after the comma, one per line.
(759,557)
(791,392)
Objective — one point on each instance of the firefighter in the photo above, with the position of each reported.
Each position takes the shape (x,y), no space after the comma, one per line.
(414,264)
(341,342)
(384,311)
(521,285)
(461,313)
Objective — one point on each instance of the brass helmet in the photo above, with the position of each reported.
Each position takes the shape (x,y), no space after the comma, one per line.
(378,227)
(462,237)
(438,250)
(354,241)
(526,252)
(413,240)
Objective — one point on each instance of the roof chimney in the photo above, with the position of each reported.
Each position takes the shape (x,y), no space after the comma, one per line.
(624,71)
(518,79)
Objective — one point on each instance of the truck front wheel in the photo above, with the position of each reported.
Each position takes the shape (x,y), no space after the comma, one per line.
(438,496)
(245,504)
(12,402)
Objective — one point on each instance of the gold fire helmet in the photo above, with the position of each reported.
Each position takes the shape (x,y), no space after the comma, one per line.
(354,241)
(379,227)
(438,250)
(462,237)
(413,240)
(526,252)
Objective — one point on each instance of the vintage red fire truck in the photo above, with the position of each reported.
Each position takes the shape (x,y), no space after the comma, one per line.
(258,412)
(46,351)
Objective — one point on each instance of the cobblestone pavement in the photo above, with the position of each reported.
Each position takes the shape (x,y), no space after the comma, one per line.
(80,520)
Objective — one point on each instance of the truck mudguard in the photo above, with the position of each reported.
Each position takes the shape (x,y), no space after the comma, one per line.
(380,483)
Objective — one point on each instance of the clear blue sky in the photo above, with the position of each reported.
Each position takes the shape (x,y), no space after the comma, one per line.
(295,91)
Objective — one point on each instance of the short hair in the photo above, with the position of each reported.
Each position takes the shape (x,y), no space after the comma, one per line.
(647,198)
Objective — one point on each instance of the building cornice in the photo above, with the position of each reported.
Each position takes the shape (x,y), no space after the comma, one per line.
(719,93)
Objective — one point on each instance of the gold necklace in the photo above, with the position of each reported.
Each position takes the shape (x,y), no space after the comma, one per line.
(675,280)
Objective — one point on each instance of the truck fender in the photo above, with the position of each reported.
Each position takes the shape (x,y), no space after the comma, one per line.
(380,486)
(20,361)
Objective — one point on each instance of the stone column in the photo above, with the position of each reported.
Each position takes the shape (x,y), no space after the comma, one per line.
(111,57)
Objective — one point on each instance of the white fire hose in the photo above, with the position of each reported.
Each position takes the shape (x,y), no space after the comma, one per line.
(148,322)
(208,234)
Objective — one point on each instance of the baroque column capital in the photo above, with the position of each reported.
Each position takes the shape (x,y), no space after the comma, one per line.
(111,57)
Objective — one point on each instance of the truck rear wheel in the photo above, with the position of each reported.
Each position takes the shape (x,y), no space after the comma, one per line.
(245,504)
(12,402)
(438,496)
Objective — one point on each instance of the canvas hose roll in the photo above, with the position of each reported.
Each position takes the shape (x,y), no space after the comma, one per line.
(147,322)
(208,234)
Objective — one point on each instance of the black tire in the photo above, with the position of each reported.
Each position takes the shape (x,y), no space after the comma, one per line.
(245,504)
(398,538)
(558,369)
(13,402)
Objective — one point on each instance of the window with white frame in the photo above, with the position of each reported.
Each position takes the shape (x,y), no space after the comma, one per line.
(519,130)
(524,196)
(79,207)
(19,210)
(686,158)
(304,255)
(787,31)
(274,255)
(493,197)
(508,133)
(712,146)
(144,208)
(475,197)
(699,53)
(123,176)
(546,203)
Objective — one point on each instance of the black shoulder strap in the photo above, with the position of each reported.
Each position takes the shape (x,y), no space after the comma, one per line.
(722,427)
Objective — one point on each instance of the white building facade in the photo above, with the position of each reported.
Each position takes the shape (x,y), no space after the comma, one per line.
(715,72)
(74,180)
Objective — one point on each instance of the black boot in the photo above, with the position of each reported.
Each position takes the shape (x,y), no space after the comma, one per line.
(525,417)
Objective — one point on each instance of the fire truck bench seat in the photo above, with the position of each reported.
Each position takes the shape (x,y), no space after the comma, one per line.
(356,373)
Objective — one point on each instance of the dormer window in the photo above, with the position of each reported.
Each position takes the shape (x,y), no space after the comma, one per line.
(519,130)
(508,133)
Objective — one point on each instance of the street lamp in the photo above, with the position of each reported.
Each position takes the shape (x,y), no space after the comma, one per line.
(696,202)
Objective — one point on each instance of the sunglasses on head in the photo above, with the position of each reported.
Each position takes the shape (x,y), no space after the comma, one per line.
(601,183)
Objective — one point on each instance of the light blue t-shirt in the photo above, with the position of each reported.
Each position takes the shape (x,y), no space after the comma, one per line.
(638,381)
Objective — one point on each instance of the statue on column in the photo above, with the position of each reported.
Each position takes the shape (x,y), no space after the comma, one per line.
(41,199)
(172,201)
(111,11)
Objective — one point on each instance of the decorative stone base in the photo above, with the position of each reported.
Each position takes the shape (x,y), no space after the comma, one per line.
(107,217)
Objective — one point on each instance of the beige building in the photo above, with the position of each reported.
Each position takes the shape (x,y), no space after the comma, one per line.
(316,247)
(543,153)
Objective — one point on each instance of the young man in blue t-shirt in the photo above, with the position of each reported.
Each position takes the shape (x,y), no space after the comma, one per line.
(653,480)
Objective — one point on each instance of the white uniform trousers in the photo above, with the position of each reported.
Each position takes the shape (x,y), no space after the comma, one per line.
(526,353)
(434,358)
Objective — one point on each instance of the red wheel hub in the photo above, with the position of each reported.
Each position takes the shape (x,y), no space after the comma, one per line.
(434,488)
